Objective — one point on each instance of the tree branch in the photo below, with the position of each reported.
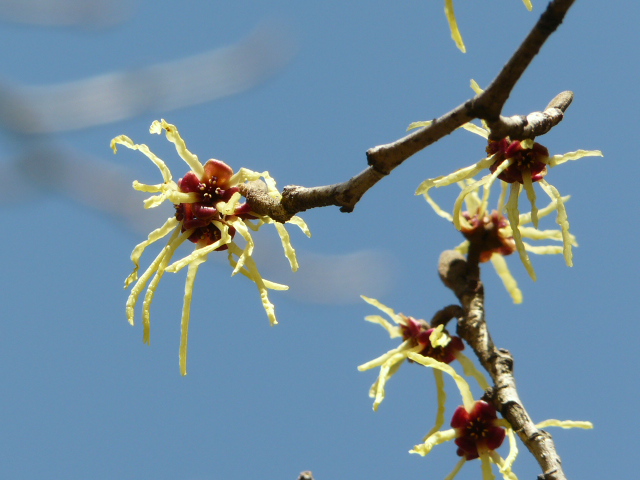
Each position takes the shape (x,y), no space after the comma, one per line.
(462,278)
(384,158)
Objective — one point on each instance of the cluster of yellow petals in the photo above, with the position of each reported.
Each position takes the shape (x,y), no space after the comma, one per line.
(487,458)
(240,258)
(390,363)
(510,206)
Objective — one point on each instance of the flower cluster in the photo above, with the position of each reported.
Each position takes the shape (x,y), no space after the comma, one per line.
(517,165)
(476,429)
(208,213)
(419,338)
(491,234)
(453,23)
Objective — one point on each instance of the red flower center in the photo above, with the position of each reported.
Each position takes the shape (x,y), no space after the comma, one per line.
(420,332)
(211,189)
(477,430)
(530,159)
(485,234)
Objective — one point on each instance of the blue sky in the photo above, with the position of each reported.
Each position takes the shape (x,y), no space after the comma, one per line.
(84,398)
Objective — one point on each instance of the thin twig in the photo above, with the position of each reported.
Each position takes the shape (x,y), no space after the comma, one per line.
(462,278)
(384,158)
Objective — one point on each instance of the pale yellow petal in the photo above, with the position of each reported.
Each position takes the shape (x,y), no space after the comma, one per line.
(301,224)
(457,469)
(578,154)
(463,248)
(505,469)
(143,187)
(153,285)
(413,125)
(269,284)
(173,135)
(472,200)
(247,251)
(470,370)
(514,218)
(394,331)
(127,142)
(389,311)
(487,180)
(531,195)
(544,249)
(289,251)
(424,189)
(387,370)
(439,338)
(473,128)
(487,471)
(435,439)
(173,243)
(476,87)
(154,201)
(186,312)
(562,220)
(251,271)
(442,403)
(401,350)
(463,386)
(506,464)
(177,197)
(543,212)
(202,251)
(229,208)
(154,236)
(244,175)
(466,172)
(271,185)
(503,196)
(535,234)
(565,424)
(510,283)
(453,25)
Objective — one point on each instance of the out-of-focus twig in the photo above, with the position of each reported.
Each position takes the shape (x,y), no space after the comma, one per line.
(162,87)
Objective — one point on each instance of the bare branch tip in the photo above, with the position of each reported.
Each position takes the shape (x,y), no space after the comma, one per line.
(561,101)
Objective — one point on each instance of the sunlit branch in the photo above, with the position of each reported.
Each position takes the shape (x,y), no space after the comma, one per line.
(462,278)
(384,158)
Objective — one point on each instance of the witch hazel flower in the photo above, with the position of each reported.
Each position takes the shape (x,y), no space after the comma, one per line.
(208,213)
(477,431)
(491,234)
(453,23)
(419,338)
(518,164)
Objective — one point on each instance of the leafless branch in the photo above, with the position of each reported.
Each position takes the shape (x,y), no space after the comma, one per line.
(384,158)
(461,277)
